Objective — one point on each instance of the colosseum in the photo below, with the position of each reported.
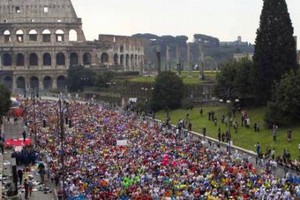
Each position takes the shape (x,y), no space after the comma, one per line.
(41,39)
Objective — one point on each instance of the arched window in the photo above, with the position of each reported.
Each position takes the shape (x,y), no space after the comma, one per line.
(87,59)
(73,35)
(116,58)
(6,59)
(20,61)
(20,35)
(61,82)
(46,35)
(47,82)
(21,82)
(60,59)
(33,60)
(104,58)
(73,59)
(122,60)
(7,37)
(47,59)
(32,35)
(60,35)
(34,83)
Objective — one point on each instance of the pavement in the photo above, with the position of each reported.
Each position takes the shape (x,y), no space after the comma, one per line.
(13,130)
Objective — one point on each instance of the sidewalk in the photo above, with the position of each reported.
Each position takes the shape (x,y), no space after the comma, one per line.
(40,191)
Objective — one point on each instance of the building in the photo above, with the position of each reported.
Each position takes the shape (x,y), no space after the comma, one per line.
(240,56)
(41,39)
(238,42)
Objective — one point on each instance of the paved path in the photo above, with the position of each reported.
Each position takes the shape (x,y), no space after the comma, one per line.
(13,130)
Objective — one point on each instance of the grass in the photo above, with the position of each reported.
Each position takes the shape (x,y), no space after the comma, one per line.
(245,138)
(193,80)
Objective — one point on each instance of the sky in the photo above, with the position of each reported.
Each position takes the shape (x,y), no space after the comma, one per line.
(224,19)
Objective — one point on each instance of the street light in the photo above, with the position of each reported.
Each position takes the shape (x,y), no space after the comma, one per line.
(229,115)
(110,89)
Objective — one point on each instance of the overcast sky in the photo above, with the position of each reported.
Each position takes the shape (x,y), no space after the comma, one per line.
(225,19)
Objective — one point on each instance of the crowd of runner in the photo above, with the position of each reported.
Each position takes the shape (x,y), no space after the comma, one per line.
(118,155)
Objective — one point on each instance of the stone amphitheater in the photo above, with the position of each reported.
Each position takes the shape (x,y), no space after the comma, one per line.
(41,39)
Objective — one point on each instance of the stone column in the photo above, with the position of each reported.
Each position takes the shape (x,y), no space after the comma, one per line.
(14,83)
(40,59)
(52,36)
(53,60)
(41,84)
(66,35)
(67,60)
(54,82)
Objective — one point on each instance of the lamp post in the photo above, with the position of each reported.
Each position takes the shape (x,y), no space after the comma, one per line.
(229,115)
(146,96)
(110,90)
(84,80)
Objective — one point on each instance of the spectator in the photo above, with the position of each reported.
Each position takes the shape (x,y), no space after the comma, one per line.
(289,135)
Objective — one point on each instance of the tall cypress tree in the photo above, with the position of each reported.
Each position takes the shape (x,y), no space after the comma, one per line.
(275,48)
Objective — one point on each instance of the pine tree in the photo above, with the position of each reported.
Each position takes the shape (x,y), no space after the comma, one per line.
(275,48)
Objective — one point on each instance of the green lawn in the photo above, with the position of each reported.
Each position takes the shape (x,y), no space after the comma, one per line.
(194,79)
(245,138)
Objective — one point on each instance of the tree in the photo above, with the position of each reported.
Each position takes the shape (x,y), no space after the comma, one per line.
(104,78)
(80,77)
(284,108)
(168,91)
(5,101)
(275,48)
(235,79)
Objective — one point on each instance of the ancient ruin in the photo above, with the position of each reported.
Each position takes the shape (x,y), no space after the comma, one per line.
(41,39)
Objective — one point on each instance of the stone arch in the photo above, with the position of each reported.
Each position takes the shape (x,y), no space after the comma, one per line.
(34,83)
(127,60)
(7,59)
(87,58)
(8,82)
(122,60)
(116,59)
(60,59)
(73,59)
(104,58)
(60,35)
(32,35)
(20,60)
(47,59)
(47,83)
(20,35)
(33,59)
(7,36)
(21,82)
(132,61)
(61,82)
(46,35)
(73,36)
